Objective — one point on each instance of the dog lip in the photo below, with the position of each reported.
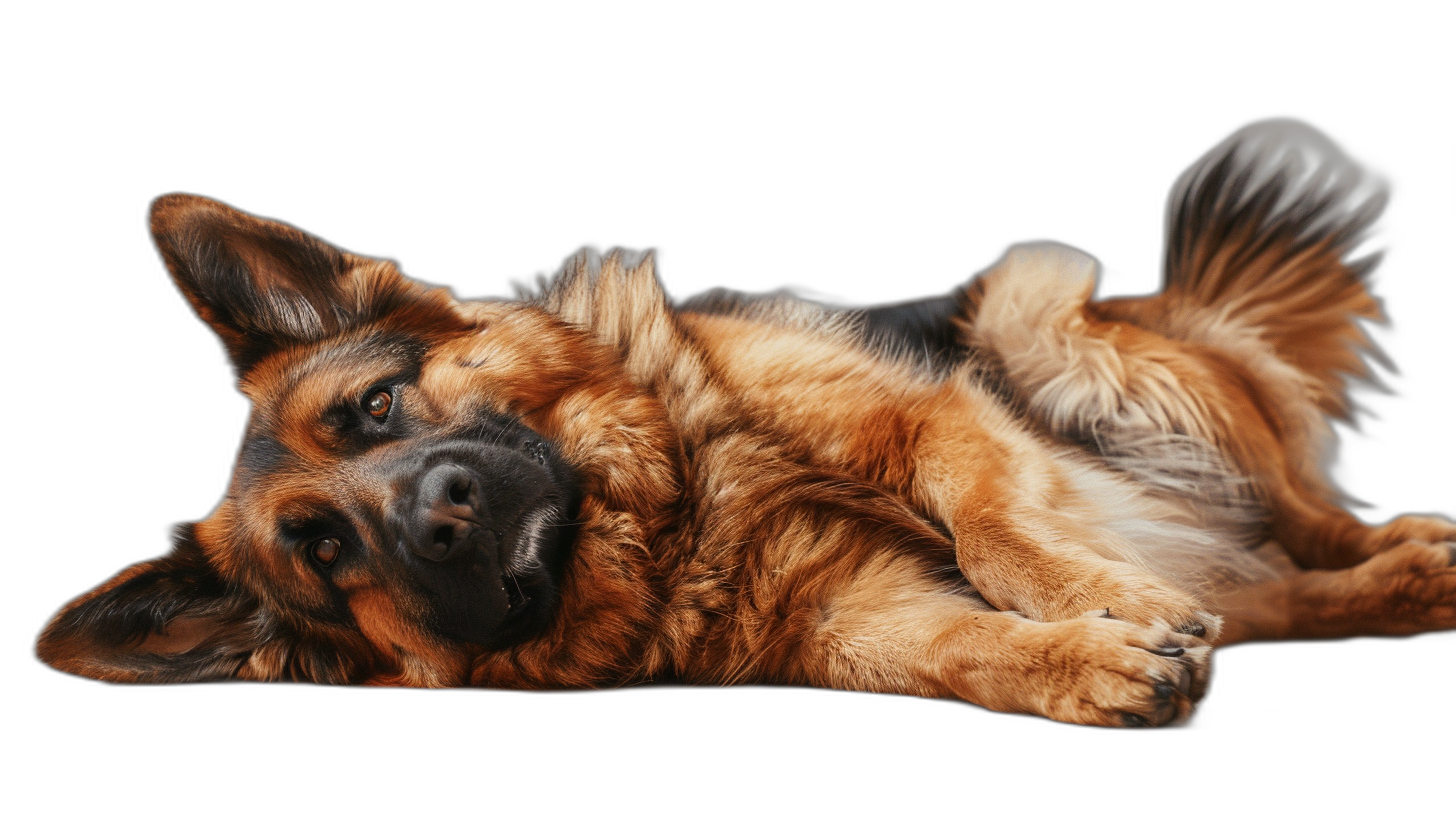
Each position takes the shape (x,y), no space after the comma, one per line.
(516,598)
(510,583)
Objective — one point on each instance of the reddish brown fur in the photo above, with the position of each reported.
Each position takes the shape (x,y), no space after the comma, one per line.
(766,498)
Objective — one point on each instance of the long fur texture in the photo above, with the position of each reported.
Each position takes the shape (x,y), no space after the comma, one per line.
(1015,495)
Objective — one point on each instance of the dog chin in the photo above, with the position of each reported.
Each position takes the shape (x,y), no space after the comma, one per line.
(515,610)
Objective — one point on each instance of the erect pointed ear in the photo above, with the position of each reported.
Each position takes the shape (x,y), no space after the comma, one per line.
(263,285)
(172,619)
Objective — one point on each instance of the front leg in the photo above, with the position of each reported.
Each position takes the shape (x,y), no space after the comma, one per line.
(1031,561)
(1089,670)
(1033,529)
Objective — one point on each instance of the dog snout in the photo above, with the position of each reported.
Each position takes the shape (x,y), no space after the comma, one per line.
(449,508)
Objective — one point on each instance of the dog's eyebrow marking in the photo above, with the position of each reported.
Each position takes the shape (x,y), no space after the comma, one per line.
(260,454)
(309,516)
(401,355)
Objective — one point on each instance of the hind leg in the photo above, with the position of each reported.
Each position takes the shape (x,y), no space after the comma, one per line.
(1406,589)
(1247,350)
(1095,372)
(1320,534)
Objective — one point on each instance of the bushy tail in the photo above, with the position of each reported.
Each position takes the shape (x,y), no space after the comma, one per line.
(1259,231)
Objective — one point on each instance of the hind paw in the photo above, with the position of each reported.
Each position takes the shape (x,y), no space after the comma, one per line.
(1409,588)
(1426,529)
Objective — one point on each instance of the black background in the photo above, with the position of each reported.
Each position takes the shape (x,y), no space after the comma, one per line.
(877,187)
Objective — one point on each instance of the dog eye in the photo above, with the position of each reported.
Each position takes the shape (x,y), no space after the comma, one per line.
(378,404)
(325,550)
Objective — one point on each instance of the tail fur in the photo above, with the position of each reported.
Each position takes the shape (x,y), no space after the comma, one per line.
(1259,231)
(1248,348)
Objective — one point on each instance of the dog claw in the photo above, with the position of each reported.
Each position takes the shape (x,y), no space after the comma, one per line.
(1168,651)
(1193,628)
(1163,691)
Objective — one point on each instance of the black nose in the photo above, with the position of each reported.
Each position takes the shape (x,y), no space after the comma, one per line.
(449,507)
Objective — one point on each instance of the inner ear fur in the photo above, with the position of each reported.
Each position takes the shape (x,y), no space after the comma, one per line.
(263,285)
(259,284)
(172,619)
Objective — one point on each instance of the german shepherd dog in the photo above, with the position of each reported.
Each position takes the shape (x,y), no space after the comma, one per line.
(1013,494)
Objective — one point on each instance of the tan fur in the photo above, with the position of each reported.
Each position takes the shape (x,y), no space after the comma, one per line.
(1057,518)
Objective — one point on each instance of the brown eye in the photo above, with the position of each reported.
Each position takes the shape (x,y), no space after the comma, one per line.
(325,550)
(378,404)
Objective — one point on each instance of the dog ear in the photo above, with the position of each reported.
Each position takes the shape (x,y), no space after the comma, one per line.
(263,285)
(172,619)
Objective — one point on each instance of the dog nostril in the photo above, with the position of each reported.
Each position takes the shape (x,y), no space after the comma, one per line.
(445,513)
(459,492)
(444,536)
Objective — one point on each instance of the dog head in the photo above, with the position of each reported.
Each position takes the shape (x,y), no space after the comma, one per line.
(409,488)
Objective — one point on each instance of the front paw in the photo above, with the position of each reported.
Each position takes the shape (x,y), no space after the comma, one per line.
(1185,621)
(1101,671)
(1138,599)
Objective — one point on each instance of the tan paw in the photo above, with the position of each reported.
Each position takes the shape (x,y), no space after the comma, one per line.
(1426,529)
(1139,598)
(1409,588)
(1180,618)
(1101,671)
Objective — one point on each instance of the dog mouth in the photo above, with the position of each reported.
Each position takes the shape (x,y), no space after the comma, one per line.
(516,598)
(525,560)
(511,586)
(510,583)
(482,534)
